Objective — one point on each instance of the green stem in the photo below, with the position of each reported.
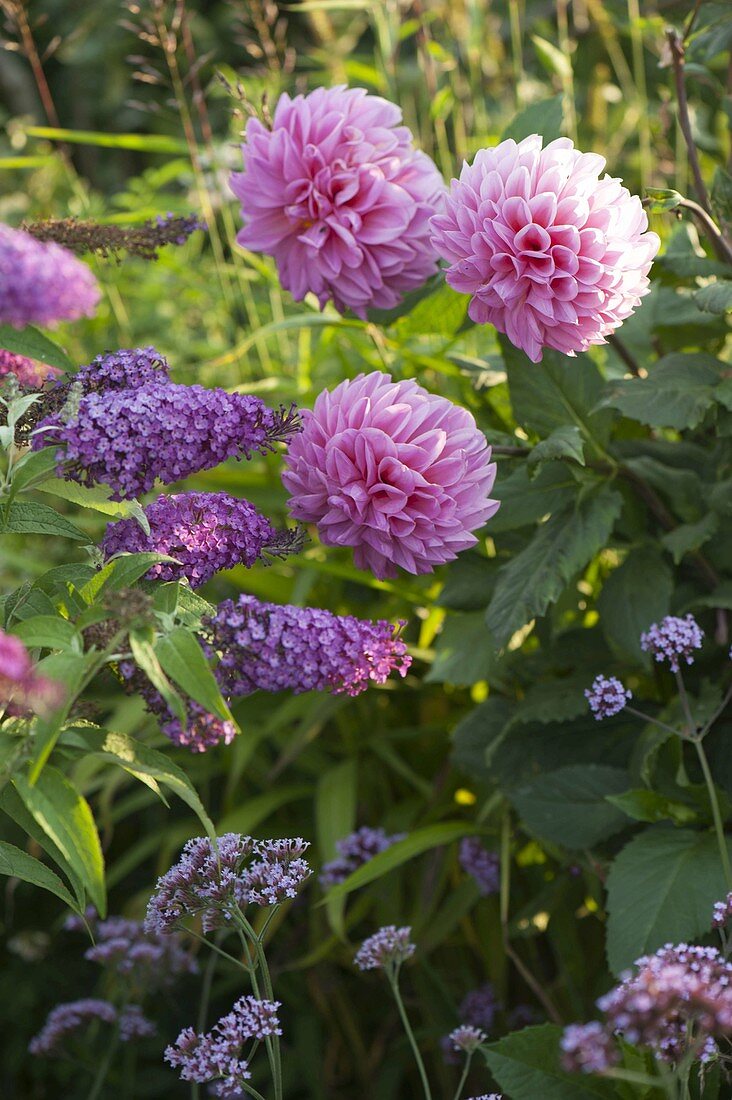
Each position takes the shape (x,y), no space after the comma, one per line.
(653,721)
(394,983)
(269,994)
(464,1077)
(98,1083)
(219,951)
(716,812)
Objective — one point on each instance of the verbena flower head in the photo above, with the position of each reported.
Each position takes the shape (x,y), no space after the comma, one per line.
(66,1020)
(22,689)
(554,254)
(131,437)
(205,532)
(146,960)
(722,912)
(353,851)
(588,1048)
(674,640)
(276,647)
(133,1024)
(201,730)
(606,697)
(216,1057)
(484,866)
(214,882)
(478,1007)
(387,949)
(30,373)
(400,474)
(675,1001)
(467,1038)
(336,192)
(42,284)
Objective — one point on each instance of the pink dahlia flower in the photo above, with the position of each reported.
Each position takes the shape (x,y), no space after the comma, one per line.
(398,473)
(554,255)
(42,283)
(339,196)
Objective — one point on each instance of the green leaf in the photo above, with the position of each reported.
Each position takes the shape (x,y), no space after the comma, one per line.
(477,736)
(421,840)
(543,118)
(562,443)
(64,815)
(245,818)
(635,595)
(469,583)
(442,313)
(526,1066)
(335,817)
(95,498)
(34,345)
(49,631)
(141,646)
(15,863)
(556,393)
(465,651)
(182,659)
(716,298)
(561,547)
(13,805)
(525,500)
(721,195)
(554,701)
(28,517)
(120,572)
(555,61)
(645,805)
(676,394)
(569,806)
(33,466)
(661,889)
(690,536)
(69,670)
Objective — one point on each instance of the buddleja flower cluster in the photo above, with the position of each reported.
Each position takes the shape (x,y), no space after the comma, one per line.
(353,851)
(22,688)
(217,881)
(42,283)
(216,1057)
(143,240)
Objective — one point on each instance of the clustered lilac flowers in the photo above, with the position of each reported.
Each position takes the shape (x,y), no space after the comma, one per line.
(22,688)
(42,283)
(275,647)
(386,950)
(607,697)
(216,1057)
(205,532)
(29,373)
(554,254)
(66,1020)
(674,640)
(353,851)
(484,866)
(467,1038)
(722,913)
(217,881)
(336,192)
(477,1010)
(147,960)
(400,474)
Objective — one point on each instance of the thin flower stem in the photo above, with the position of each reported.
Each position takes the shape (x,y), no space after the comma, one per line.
(249,939)
(720,709)
(250,1090)
(203,1008)
(96,1090)
(686,706)
(394,983)
(464,1076)
(219,951)
(653,721)
(716,812)
(676,48)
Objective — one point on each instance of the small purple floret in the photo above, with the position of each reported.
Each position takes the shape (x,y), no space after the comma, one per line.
(722,912)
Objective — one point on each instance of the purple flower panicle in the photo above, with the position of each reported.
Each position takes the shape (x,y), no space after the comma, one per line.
(65,1020)
(42,283)
(147,960)
(673,640)
(22,689)
(606,697)
(353,851)
(205,532)
(588,1048)
(478,1007)
(274,647)
(133,1024)
(121,370)
(386,950)
(201,730)
(484,866)
(30,373)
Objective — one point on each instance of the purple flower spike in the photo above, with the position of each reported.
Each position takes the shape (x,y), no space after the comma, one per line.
(65,1020)
(467,1038)
(206,532)
(386,950)
(606,697)
(588,1048)
(121,370)
(275,647)
(484,866)
(673,640)
(42,284)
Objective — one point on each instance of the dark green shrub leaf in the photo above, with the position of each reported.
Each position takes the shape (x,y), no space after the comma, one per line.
(526,1066)
(15,863)
(543,118)
(646,805)
(690,536)
(716,298)
(28,517)
(465,651)
(49,631)
(635,595)
(478,734)
(34,345)
(525,500)
(562,443)
(676,394)
(181,657)
(569,806)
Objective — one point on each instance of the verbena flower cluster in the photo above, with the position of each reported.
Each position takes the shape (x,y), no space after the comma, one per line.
(722,912)
(273,647)
(30,373)
(129,438)
(216,1057)
(42,284)
(386,950)
(22,688)
(336,192)
(467,1038)
(143,240)
(400,474)
(484,866)
(66,1020)
(477,1009)
(554,254)
(205,532)
(216,881)
(146,960)
(353,851)
(607,697)
(676,1002)
(674,640)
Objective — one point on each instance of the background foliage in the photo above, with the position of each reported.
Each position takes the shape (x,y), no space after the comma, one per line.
(616,511)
